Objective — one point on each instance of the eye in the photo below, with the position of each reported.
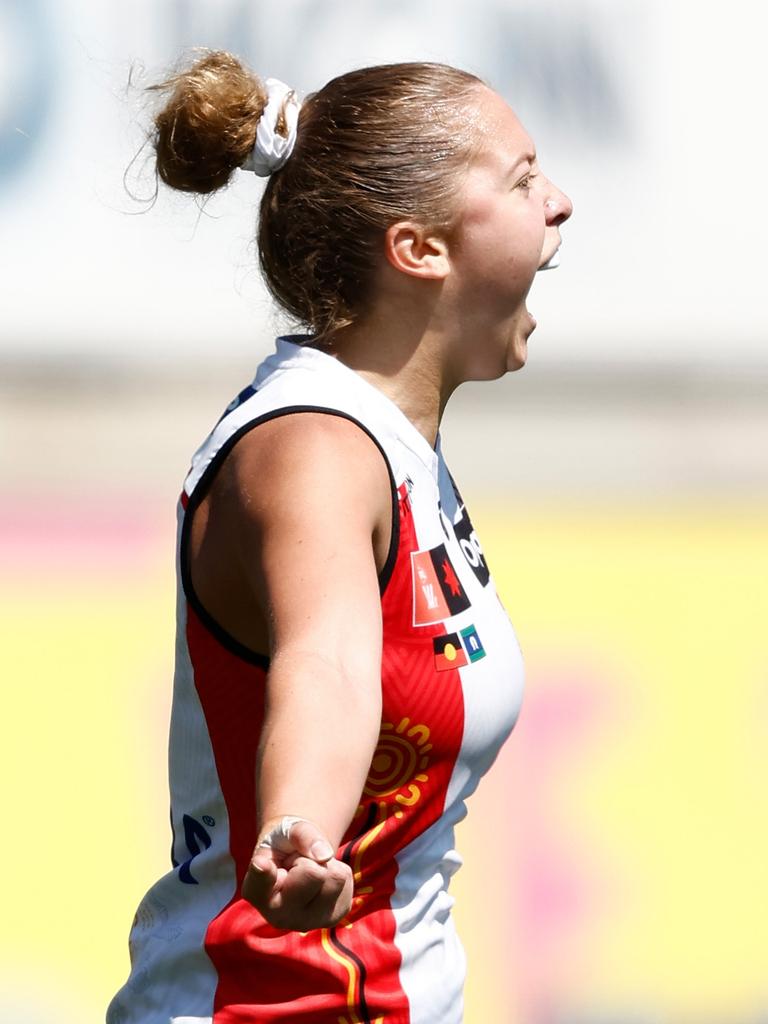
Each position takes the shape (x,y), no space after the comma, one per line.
(525,182)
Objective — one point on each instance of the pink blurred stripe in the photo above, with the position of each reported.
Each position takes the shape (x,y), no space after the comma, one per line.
(51,534)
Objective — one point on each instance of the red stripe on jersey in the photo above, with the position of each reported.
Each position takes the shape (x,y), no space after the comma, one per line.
(231,692)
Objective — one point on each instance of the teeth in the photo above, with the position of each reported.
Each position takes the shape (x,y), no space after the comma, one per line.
(552,262)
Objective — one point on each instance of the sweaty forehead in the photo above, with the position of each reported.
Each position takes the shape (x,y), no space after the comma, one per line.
(502,139)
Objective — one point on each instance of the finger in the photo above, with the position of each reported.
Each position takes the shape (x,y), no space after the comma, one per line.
(301,884)
(260,879)
(307,839)
(334,899)
(329,887)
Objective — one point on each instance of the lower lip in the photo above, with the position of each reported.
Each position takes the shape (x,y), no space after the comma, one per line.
(553,261)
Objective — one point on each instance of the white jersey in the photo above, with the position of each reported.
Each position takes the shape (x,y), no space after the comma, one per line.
(451,680)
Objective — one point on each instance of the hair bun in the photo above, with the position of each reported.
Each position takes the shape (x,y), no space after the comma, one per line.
(207,126)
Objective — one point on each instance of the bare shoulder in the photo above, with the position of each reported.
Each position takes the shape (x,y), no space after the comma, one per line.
(308,478)
(299,458)
(301,504)
(299,440)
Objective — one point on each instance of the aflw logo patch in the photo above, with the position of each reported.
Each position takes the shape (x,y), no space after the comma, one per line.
(437,592)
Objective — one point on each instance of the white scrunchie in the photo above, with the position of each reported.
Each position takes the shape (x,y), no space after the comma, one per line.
(271,149)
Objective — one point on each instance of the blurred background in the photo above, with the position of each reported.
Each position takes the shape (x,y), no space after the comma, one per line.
(616,856)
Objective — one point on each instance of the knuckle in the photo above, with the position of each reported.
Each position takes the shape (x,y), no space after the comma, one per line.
(306,876)
(340,872)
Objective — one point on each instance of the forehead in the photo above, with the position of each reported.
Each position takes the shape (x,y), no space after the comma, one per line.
(502,139)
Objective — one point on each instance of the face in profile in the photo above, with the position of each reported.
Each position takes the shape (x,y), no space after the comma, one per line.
(508,227)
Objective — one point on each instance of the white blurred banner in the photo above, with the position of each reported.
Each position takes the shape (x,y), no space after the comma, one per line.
(647,113)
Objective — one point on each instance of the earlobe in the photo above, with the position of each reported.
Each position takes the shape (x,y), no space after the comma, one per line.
(413,251)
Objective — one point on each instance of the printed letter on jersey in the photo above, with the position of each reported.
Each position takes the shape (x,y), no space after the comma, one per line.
(470,546)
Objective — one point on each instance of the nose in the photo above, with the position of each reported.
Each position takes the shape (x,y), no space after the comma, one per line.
(558,206)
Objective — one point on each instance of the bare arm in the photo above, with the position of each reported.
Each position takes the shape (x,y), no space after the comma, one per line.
(311,493)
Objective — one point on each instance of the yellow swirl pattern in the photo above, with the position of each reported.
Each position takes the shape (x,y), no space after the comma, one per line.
(401,753)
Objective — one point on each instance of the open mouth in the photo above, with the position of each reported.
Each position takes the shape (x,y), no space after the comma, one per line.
(553,261)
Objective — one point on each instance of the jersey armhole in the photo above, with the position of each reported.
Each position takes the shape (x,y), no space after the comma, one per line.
(201,489)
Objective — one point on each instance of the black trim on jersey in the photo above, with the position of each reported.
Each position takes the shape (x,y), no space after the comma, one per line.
(367,825)
(211,624)
(362,1007)
(225,638)
(459,498)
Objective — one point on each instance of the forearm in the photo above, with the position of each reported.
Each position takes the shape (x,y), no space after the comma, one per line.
(320,731)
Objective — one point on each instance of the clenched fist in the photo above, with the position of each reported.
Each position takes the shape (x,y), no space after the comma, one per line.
(294,880)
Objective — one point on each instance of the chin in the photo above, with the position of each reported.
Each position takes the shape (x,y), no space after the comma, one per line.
(517,348)
(509,353)
(517,354)
(516,362)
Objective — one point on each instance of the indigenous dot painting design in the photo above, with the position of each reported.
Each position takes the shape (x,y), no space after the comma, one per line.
(397,773)
(399,762)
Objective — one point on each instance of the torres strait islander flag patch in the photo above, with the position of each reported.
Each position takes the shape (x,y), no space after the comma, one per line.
(437,592)
(472,644)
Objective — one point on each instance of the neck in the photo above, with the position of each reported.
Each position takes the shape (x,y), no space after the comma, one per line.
(402,356)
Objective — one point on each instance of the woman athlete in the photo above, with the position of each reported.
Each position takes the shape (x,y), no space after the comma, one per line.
(345,671)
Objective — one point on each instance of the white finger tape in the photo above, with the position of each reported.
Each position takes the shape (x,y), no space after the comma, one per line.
(279,838)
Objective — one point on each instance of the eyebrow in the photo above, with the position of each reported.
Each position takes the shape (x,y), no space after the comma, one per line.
(529,158)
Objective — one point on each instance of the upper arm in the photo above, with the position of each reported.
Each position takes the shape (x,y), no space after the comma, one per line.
(312,498)
(300,506)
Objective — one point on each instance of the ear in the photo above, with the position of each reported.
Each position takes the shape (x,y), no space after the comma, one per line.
(412,250)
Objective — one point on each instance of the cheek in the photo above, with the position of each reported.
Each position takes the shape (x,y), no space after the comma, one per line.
(532,230)
(514,232)
(480,210)
(499,245)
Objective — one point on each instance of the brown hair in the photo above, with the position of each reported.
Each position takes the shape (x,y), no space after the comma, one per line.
(374,146)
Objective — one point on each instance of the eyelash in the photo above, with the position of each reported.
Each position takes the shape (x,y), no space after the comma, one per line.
(525,183)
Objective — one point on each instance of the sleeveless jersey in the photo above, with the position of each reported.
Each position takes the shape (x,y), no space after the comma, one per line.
(451,678)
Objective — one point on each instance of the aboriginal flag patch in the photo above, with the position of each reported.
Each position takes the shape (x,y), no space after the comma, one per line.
(437,591)
(448,652)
